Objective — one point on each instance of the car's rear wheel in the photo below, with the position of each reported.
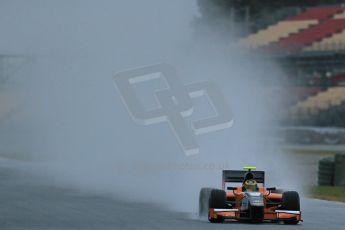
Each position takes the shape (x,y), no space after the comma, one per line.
(217,200)
(291,202)
(204,197)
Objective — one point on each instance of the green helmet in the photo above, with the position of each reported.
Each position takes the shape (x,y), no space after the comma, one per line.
(250,185)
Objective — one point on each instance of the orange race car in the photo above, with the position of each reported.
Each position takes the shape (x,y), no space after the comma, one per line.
(251,201)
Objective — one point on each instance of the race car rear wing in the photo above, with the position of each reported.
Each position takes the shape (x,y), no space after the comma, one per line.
(237,176)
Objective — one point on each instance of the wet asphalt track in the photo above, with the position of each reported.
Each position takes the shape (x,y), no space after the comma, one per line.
(32,205)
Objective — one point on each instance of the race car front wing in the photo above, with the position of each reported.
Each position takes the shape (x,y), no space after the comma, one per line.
(277,215)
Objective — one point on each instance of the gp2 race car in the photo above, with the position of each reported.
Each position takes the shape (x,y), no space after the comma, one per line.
(251,201)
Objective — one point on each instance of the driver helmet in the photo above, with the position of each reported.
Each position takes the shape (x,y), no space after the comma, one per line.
(250,185)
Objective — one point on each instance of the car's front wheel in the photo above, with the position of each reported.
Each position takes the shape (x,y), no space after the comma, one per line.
(217,200)
(291,202)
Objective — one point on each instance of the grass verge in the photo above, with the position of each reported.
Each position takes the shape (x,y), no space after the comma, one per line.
(336,193)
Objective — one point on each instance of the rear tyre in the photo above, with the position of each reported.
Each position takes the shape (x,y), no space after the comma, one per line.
(217,200)
(291,201)
(204,197)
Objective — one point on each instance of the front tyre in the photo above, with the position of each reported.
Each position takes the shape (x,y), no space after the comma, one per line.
(291,202)
(217,200)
